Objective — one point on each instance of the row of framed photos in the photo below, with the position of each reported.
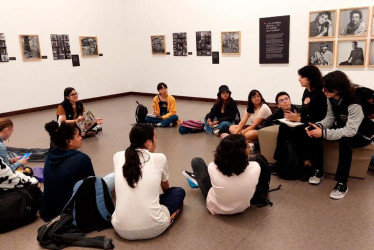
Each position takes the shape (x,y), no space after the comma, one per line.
(352,22)
(347,53)
(30,47)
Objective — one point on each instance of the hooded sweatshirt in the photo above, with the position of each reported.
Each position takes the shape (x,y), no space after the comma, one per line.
(62,170)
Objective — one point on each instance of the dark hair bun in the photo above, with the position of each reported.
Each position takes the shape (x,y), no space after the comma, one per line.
(51,127)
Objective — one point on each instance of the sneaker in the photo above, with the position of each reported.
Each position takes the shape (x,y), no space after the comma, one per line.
(317,177)
(339,191)
(251,147)
(190,176)
(171,124)
(216,132)
(158,124)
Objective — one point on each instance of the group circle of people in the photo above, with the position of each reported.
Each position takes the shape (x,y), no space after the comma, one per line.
(330,110)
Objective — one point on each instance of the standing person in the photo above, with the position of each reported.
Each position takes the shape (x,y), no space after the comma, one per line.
(223,114)
(164,108)
(344,122)
(6,130)
(356,57)
(356,26)
(323,56)
(257,110)
(141,212)
(321,26)
(229,183)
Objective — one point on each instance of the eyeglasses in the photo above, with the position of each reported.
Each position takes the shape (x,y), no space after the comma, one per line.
(74,94)
(286,99)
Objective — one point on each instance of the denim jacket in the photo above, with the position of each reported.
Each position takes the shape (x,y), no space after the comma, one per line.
(3,155)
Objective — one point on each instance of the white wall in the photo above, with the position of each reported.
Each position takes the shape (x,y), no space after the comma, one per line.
(124,27)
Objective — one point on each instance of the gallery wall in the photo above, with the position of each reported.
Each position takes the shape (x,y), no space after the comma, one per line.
(123,29)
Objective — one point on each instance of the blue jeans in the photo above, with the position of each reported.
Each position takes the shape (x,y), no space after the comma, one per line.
(164,123)
(222,126)
(173,199)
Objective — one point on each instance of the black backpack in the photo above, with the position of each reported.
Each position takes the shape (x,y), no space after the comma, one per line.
(18,207)
(140,113)
(91,204)
(289,166)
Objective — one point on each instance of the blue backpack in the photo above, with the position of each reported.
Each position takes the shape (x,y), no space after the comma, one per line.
(91,204)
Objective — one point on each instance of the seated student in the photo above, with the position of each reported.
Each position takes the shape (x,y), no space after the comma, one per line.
(284,105)
(164,108)
(257,110)
(141,212)
(229,183)
(6,130)
(223,114)
(10,179)
(344,122)
(64,167)
(71,110)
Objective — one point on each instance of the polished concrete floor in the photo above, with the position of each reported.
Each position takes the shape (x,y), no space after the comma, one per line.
(302,217)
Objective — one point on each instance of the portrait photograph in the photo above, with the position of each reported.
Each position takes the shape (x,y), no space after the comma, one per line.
(371,53)
(30,47)
(60,46)
(321,53)
(180,44)
(351,53)
(3,49)
(230,43)
(353,22)
(89,46)
(158,45)
(322,24)
(203,43)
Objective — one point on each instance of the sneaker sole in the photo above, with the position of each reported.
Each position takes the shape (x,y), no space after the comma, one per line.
(193,180)
(338,197)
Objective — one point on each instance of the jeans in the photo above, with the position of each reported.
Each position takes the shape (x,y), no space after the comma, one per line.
(222,126)
(200,170)
(109,180)
(164,123)
(173,199)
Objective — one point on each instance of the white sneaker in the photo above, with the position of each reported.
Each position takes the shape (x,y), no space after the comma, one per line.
(339,191)
(190,176)
(216,131)
(158,124)
(317,177)
(251,147)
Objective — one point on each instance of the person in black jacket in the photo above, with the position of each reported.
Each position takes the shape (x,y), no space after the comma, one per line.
(344,122)
(223,114)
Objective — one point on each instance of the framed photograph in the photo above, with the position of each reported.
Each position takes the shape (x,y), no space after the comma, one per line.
(3,49)
(321,53)
(372,22)
(371,53)
(322,24)
(158,45)
(30,47)
(60,47)
(353,21)
(203,43)
(351,53)
(230,43)
(89,46)
(180,44)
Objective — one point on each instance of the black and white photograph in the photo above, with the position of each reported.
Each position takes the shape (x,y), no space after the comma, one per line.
(322,24)
(351,53)
(158,45)
(371,53)
(30,47)
(353,21)
(180,44)
(89,46)
(60,46)
(230,43)
(203,43)
(3,49)
(321,53)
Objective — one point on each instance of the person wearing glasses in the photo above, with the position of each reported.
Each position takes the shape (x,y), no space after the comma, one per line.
(344,122)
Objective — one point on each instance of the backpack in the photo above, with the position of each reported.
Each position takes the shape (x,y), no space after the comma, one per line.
(140,113)
(60,233)
(91,204)
(18,207)
(191,126)
(366,97)
(289,166)
(261,195)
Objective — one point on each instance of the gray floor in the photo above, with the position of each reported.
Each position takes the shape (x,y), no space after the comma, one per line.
(303,216)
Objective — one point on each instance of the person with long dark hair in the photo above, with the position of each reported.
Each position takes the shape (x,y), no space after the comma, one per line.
(345,122)
(257,110)
(356,26)
(229,183)
(141,212)
(223,114)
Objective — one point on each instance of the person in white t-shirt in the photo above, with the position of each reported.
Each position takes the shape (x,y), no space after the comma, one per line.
(257,110)
(141,212)
(229,183)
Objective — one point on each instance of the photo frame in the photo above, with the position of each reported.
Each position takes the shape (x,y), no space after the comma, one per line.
(60,46)
(203,43)
(353,22)
(158,45)
(321,53)
(322,24)
(230,42)
(351,53)
(371,53)
(30,47)
(372,21)
(89,46)
(3,49)
(180,44)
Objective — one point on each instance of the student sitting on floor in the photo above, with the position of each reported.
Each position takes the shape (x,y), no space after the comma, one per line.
(223,114)
(164,108)
(141,212)
(64,167)
(229,183)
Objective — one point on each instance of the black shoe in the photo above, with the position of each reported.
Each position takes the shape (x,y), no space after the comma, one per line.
(339,191)
(273,167)
(190,176)
(306,173)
